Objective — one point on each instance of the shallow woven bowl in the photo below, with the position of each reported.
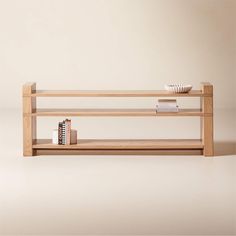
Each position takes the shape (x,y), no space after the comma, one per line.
(178,88)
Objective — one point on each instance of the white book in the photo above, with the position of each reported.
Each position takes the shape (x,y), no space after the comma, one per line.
(167,105)
(55,136)
(167,109)
(171,103)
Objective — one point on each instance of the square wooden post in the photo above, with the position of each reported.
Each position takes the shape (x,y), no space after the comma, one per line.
(207,130)
(29,122)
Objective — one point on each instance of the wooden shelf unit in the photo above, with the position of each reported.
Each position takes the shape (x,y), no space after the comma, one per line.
(33,146)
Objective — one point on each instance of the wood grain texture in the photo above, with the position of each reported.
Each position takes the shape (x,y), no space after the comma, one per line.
(29,122)
(118,152)
(115,112)
(207,131)
(123,144)
(114,93)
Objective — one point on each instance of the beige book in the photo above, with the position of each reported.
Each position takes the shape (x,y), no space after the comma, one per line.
(73,136)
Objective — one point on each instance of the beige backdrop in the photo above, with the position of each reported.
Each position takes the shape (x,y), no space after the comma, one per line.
(117,44)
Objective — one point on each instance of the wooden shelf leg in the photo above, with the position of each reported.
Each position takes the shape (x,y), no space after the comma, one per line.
(207,130)
(29,122)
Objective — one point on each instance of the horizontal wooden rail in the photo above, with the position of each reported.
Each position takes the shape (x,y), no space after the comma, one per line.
(115,93)
(126,152)
(115,112)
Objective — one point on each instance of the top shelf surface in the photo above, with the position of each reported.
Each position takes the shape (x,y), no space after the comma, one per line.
(115,93)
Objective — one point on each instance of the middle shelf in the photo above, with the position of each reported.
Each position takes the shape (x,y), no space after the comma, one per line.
(114,112)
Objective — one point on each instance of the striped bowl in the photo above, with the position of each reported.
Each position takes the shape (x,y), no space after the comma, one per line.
(178,88)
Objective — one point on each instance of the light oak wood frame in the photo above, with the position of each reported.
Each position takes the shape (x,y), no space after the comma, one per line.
(29,121)
(207,131)
(33,146)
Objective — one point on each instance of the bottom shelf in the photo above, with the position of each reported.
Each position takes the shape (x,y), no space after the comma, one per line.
(121,146)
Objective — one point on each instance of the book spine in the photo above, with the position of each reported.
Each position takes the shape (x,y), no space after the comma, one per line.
(68,132)
(60,133)
(167,100)
(63,133)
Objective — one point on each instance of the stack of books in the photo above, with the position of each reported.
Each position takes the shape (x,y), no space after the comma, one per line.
(167,105)
(64,135)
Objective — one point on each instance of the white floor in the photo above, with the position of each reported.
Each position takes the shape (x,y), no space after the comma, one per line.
(121,195)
